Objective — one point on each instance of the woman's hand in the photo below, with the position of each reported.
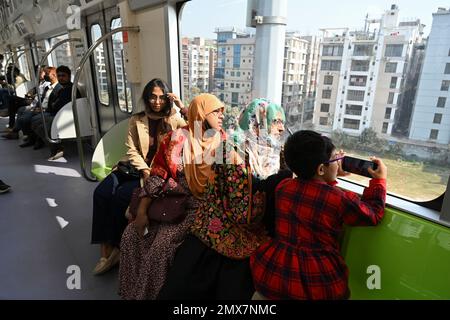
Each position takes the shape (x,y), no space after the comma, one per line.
(141,220)
(380,172)
(173,98)
(145,173)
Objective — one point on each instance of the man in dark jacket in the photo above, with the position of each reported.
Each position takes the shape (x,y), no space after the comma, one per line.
(57,100)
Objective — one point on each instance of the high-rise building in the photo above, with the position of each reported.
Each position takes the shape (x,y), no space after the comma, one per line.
(234,68)
(300,78)
(294,78)
(197,65)
(431,113)
(362,74)
(312,65)
(294,71)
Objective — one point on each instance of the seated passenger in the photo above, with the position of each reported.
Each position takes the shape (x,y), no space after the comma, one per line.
(18,105)
(213,262)
(57,100)
(303,260)
(111,199)
(12,72)
(25,115)
(146,259)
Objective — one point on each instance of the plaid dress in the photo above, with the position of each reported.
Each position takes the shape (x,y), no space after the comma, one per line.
(303,261)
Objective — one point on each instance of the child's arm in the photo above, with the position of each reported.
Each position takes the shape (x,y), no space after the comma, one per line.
(367,210)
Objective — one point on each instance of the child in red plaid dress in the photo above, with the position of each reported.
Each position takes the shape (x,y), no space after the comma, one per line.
(303,260)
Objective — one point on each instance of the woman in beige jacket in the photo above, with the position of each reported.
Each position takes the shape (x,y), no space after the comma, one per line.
(113,194)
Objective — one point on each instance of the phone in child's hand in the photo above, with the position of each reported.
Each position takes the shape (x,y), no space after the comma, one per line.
(358,166)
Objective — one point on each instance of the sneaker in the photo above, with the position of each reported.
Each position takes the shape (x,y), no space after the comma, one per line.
(11,135)
(58,154)
(106,264)
(4,187)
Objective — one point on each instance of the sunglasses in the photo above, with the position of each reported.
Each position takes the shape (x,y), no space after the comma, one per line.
(162,98)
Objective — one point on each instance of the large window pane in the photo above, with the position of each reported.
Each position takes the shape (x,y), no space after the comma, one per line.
(100,66)
(123,87)
(62,55)
(360,77)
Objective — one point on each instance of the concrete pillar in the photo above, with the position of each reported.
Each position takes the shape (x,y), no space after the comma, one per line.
(269,49)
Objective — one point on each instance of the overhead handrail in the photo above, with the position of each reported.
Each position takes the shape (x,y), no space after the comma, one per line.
(41,62)
(74,94)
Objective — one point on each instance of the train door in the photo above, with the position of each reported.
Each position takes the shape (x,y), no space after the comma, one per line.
(113,94)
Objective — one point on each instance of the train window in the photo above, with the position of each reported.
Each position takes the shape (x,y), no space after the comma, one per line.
(123,87)
(23,63)
(100,66)
(41,48)
(62,55)
(418,161)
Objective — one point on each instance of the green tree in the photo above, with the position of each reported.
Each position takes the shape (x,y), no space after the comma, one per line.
(369,141)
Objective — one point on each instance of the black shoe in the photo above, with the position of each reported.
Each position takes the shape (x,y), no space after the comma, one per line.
(38,145)
(27,144)
(4,187)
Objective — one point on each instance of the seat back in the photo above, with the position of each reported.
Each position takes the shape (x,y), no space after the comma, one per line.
(63,126)
(110,150)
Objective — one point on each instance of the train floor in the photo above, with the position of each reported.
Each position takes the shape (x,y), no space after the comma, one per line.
(45,227)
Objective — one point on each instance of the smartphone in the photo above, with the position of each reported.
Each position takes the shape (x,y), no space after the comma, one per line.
(358,166)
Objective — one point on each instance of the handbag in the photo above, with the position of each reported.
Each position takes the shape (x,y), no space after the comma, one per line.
(169,206)
(126,171)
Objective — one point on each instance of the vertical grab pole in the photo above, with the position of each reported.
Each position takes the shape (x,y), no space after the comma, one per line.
(74,94)
(41,62)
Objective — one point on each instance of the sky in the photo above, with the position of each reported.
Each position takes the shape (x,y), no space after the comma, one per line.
(201,17)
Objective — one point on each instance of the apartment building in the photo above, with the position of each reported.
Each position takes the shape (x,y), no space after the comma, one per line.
(198,65)
(294,78)
(294,71)
(235,65)
(362,74)
(431,113)
(312,65)
(234,68)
